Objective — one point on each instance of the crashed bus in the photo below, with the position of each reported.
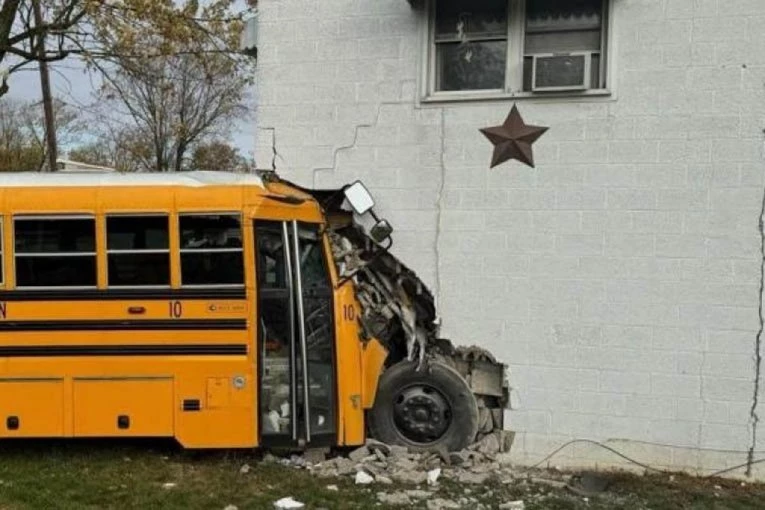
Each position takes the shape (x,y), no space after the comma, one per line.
(225,311)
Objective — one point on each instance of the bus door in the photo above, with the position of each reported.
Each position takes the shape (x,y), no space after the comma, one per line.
(295,336)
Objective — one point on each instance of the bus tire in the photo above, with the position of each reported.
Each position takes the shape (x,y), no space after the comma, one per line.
(429,409)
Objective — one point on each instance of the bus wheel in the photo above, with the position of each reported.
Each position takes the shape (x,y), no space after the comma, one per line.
(429,409)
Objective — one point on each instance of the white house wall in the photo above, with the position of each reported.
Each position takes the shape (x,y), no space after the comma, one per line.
(620,279)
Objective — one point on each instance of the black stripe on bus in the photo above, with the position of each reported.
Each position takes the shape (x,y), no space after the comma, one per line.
(119,294)
(129,325)
(38,351)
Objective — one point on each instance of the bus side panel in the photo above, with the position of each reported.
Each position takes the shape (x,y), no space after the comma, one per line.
(216,409)
(32,407)
(128,406)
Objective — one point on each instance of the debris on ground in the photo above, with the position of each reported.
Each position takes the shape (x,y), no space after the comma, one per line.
(169,485)
(433,475)
(244,469)
(394,499)
(364,478)
(382,464)
(288,503)
(513,505)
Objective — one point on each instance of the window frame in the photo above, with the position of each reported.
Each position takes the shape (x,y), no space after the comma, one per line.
(181,250)
(108,251)
(516,36)
(53,217)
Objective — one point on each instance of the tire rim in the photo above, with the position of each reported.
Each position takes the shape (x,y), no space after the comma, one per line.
(421,413)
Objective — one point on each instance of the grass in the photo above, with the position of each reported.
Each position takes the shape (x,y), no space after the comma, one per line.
(82,475)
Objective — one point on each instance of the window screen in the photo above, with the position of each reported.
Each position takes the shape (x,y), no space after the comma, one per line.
(138,250)
(471,44)
(55,252)
(211,249)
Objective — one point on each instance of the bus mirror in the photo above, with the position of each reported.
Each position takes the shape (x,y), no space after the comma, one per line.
(359,197)
(381,231)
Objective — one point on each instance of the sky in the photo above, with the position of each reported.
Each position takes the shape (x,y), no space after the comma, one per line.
(73,85)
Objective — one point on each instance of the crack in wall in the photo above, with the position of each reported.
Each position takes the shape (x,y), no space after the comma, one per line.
(754,418)
(439,213)
(352,145)
(273,147)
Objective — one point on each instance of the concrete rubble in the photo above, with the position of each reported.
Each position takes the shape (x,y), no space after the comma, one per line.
(380,465)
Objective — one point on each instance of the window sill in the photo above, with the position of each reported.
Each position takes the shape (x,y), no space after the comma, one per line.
(462,97)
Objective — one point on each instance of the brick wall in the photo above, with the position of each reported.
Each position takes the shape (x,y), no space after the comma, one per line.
(620,278)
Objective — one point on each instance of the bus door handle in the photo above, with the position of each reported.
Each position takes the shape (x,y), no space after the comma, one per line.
(136,310)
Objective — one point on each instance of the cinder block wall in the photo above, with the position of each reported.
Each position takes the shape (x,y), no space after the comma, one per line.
(621,278)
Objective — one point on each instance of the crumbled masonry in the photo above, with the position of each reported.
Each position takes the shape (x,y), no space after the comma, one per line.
(379,465)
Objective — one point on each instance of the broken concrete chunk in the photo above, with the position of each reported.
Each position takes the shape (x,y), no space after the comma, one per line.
(359,454)
(442,504)
(475,478)
(504,460)
(288,503)
(489,445)
(513,505)
(418,494)
(396,498)
(396,451)
(433,475)
(383,480)
(413,477)
(485,420)
(379,455)
(363,478)
(374,444)
(344,466)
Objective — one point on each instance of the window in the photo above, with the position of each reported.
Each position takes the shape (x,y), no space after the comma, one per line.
(138,251)
(516,46)
(55,251)
(211,249)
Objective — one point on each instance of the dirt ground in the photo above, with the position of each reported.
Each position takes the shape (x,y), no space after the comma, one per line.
(79,475)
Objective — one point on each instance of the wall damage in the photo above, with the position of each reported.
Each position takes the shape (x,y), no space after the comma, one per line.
(399,310)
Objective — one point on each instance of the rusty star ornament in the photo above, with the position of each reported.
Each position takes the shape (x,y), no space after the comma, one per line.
(513,139)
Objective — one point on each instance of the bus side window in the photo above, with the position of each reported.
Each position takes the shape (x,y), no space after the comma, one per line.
(55,251)
(211,249)
(138,250)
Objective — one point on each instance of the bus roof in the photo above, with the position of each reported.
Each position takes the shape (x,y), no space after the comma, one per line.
(194,179)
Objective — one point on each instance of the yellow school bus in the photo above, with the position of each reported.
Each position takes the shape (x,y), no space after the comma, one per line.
(221,310)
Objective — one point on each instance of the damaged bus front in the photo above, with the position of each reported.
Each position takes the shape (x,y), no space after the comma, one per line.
(431,394)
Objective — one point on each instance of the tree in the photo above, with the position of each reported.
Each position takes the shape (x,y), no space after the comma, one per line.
(177,102)
(18,151)
(124,150)
(22,133)
(101,30)
(217,155)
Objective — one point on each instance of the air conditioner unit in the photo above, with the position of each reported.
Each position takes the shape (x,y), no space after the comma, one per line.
(553,72)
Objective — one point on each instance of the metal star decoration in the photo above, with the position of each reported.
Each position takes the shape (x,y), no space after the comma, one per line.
(513,139)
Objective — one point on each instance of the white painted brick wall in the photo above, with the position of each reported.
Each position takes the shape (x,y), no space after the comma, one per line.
(620,278)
